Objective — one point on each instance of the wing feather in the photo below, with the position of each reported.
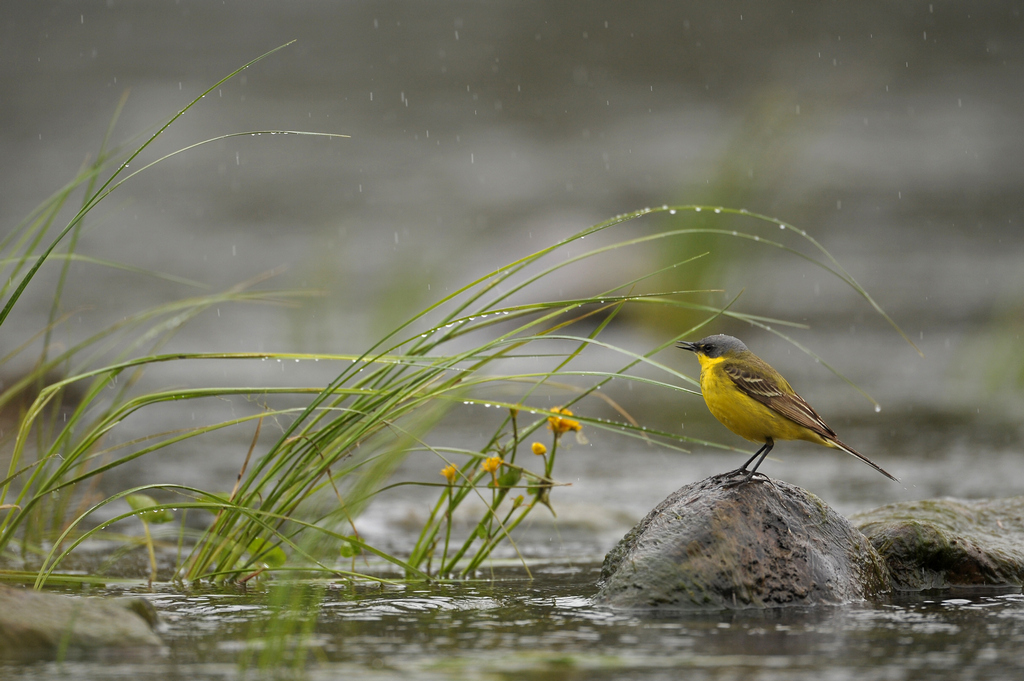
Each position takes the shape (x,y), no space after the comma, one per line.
(766,386)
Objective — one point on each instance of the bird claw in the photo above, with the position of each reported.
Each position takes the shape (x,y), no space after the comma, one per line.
(731,474)
(747,476)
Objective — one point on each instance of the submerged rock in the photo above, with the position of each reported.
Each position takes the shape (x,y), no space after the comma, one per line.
(760,544)
(37,624)
(939,543)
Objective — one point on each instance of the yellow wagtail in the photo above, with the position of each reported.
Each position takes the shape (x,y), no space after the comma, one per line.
(755,401)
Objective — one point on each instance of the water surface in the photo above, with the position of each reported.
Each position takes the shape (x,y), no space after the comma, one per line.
(548,628)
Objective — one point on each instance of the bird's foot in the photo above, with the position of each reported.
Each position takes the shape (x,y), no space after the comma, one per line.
(744,476)
(733,474)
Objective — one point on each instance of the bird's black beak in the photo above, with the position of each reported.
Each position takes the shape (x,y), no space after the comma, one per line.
(687,345)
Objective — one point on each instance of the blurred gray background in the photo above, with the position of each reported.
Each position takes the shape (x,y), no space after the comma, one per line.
(892,132)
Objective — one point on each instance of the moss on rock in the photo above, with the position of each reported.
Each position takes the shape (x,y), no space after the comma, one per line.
(940,543)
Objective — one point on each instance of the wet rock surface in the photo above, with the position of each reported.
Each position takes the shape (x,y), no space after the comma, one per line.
(763,544)
(38,624)
(940,543)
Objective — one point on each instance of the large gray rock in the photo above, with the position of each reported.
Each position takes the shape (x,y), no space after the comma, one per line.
(760,544)
(939,543)
(37,624)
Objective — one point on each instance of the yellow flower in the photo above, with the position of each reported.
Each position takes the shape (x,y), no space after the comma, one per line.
(491,464)
(559,424)
(539,449)
(450,473)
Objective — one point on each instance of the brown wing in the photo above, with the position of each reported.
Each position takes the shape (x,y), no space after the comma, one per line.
(762,383)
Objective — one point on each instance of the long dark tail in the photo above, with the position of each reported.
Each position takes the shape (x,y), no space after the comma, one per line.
(850,450)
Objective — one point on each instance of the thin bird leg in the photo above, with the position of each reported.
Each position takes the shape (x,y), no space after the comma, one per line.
(742,470)
(767,448)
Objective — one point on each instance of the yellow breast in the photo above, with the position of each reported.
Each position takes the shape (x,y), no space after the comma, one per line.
(742,414)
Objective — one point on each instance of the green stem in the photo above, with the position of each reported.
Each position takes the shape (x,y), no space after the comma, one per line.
(488,547)
(488,518)
(429,531)
(448,528)
(515,436)
(152,552)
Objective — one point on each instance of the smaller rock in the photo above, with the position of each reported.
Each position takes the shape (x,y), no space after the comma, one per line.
(941,543)
(37,624)
(761,544)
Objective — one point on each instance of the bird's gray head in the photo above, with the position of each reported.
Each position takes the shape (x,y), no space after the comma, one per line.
(715,346)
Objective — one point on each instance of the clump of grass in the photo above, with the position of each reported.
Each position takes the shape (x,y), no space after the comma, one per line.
(66,408)
(495,341)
